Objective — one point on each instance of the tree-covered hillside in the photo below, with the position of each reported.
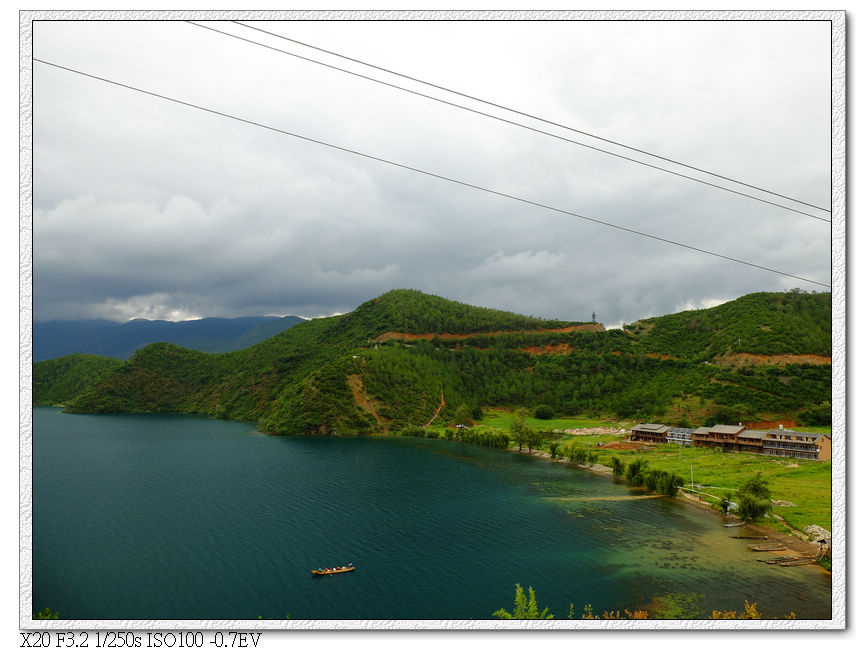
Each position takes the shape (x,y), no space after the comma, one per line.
(57,380)
(414,312)
(794,322)
(334,375)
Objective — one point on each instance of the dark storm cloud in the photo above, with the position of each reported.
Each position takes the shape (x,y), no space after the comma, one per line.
(144,208)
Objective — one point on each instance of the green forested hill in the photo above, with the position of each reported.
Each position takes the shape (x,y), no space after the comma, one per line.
(411,311)
(331,375)
(794,322)
(57,380)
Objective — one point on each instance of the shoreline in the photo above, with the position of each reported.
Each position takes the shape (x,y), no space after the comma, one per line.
(794,541)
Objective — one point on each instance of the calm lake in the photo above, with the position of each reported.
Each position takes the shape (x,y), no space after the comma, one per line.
(176,517)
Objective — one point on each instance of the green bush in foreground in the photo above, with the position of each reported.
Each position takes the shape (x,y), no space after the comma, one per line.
(524,608)
(527,608)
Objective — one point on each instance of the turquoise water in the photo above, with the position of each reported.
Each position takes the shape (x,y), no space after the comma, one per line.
(177,517)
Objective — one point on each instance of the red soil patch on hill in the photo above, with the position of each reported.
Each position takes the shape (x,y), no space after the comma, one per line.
(624,446)
(367,403)
(445,336)
(440,406)
(559,348)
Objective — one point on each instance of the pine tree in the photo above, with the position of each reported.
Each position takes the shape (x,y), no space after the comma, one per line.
(524,608)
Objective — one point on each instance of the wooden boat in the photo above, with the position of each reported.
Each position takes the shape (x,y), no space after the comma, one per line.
(734,525)
(777,559)
(329,571)
(767,547)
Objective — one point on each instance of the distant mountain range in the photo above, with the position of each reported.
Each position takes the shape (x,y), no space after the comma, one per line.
(405,357)
(58,338)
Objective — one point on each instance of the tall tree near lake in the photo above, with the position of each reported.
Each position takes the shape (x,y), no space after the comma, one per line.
(534,440)
(755,499)
(519,427)
(463,416)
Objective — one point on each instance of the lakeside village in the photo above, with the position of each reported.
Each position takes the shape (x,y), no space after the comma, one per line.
(780,443)
(777,442)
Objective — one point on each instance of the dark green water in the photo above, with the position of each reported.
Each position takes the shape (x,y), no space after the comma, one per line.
(174,517)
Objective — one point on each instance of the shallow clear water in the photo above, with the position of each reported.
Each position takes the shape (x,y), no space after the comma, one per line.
(170,517)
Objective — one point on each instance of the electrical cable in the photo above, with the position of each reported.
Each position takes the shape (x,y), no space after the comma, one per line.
(518,112)
(421,171)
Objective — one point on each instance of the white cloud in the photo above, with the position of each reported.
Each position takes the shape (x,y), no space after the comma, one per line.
(705,303)
(154,307)
(144,204)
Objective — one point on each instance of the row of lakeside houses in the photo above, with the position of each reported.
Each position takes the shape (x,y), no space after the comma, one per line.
(773,442)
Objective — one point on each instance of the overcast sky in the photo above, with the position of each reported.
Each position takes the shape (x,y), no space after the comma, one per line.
(145,208)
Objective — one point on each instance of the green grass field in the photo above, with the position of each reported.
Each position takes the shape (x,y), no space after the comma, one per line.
(806,483)
(501,419)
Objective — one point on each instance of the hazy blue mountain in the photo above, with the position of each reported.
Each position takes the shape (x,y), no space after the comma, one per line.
(58,338)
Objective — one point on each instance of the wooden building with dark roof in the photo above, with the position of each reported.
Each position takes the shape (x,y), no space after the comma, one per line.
(649,433)
(724,436)
(751,440)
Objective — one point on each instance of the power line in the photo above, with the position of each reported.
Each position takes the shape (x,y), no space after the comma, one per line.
(534,117)
(496,117)
(421,171)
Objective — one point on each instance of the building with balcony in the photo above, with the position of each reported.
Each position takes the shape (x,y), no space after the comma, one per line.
(751,440)
(680,436)
(781,442)
(797,444)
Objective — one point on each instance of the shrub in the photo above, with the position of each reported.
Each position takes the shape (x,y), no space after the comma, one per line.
(817,416)
(544,412)
(634,471)
(577,454)
(463,415)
